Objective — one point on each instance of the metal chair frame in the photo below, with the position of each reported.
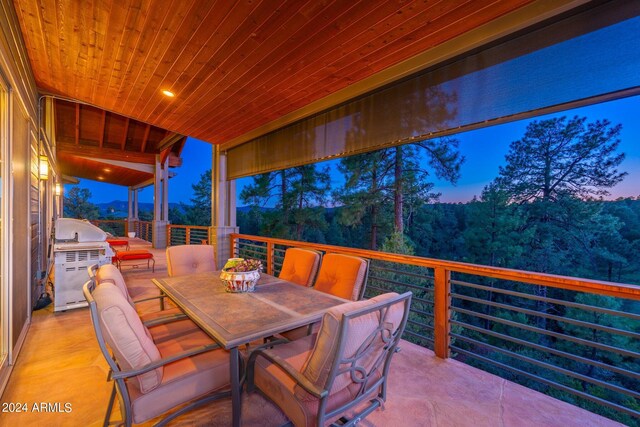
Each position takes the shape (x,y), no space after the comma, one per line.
(357,374)
(120,376)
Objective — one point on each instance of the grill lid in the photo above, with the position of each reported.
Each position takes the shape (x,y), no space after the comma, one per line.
(76,230)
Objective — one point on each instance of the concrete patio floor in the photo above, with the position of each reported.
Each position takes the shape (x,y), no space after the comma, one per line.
(61,363)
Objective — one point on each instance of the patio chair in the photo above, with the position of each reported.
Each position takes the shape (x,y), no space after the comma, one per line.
(109,273)
(152,377)
(344,276)
(300,266)
(190,259)
(341,374)
(340,275)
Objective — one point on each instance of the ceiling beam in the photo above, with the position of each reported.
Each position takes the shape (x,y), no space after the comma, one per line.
(124,135)
(140,167)
(145,138)
(164,155)
(66,179)
(102,127)
(77,124)
(113,154)
(170,139)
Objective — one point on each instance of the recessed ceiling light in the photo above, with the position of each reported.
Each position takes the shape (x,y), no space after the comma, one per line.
(168,93)
(107,170)
(100,178)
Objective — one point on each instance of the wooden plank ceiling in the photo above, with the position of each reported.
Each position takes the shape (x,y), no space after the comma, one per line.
(95,144)
(233,65)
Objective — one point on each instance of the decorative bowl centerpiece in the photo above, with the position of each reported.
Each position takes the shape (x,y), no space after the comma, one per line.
(241,275)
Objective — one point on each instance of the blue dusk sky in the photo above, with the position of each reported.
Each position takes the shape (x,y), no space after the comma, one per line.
(484,151)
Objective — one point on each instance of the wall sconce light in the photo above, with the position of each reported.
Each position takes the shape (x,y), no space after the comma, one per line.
(44,167)
(58,189)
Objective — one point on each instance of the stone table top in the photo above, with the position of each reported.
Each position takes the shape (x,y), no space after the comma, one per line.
(233,319)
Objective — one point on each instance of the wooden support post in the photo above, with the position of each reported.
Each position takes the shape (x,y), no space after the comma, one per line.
(187,238)
(442,311)
(270,248)
(168,235)
(232,245)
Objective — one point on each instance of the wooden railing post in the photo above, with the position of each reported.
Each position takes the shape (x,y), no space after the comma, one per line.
(270,248)
(187,238)
(168,235)
(126,227)
(442,311)
(232,246)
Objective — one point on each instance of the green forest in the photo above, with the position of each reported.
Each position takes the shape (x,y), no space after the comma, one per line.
(546,211)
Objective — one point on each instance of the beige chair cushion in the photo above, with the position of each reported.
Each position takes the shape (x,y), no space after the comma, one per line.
(110,273)
(317,367)
(341,275)
(313,356)
(128,338)
(280,388)
(190,259)
(300,266)
(183,380)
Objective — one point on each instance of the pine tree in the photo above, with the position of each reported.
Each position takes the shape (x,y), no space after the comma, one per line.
(77,204)
(199,211)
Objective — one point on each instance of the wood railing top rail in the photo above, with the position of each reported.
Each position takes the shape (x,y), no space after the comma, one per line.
(620,290)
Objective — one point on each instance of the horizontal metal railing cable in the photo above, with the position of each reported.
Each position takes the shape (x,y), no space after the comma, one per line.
(549,366)
(418,336)
(404,273)
(547,299)
(250,245)
(398,283)
(557,335)
(545,349)
(422,313)
(413,298)
(536,313)
(252,252)
(547,382)
(420,324)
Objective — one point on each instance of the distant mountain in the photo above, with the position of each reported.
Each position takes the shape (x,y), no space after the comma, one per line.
(120,208)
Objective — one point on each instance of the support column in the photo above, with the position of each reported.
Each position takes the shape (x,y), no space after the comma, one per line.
(135,204)
(130,224)
(160,215)
(223,207)
(165,191)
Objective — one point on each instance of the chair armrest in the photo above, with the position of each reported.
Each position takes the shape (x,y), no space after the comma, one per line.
(165,319)
(164,361)
(285,367)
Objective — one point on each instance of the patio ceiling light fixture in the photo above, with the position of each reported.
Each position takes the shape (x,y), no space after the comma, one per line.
(168,93)
(43,168)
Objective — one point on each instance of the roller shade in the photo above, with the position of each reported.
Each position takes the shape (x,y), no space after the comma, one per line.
(590,54)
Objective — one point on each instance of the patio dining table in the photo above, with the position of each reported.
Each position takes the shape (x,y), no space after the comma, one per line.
(235,319)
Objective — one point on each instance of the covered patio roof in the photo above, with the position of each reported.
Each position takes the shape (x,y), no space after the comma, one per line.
(235,67)
(103,146)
